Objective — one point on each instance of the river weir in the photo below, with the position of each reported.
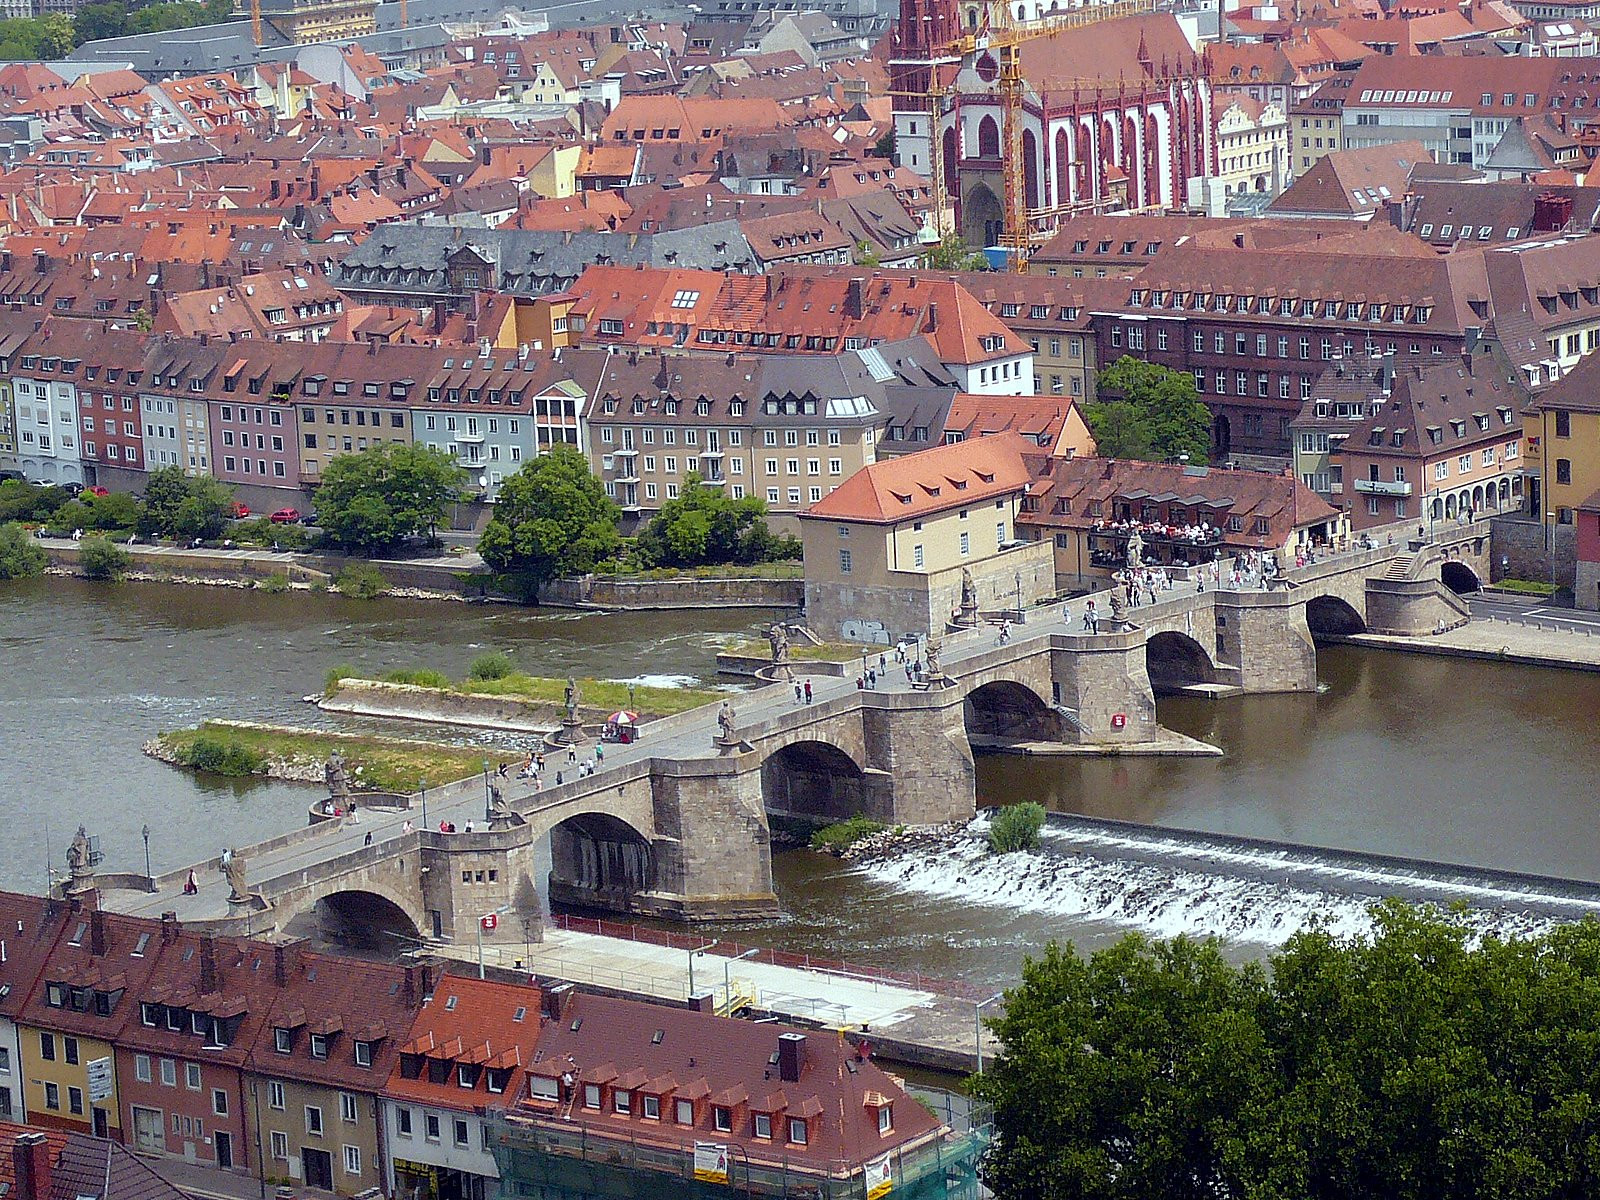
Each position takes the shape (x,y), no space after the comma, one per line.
(1168,882)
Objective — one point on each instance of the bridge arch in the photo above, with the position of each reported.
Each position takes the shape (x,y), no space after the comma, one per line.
(367,918)
(1006,710)
(813,782)
(1459,577)
(598,860)
(1175,660)
(1333,616)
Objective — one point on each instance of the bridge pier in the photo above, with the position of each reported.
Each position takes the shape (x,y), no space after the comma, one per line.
(1263,643)
(918,742)
(1103,683)
(712,848)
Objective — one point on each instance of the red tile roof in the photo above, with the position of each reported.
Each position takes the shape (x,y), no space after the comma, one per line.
(932,481)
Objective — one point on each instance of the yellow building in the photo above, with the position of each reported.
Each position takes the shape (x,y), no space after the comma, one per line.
(304,22)
(56,1085)
(1252,148)
(887,553)
(1562,431)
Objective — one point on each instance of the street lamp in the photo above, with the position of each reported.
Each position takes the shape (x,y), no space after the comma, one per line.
(727,976)
(977,1024)
(149,878)
(486,806)
(1018,580)
(422,792)
(692,953)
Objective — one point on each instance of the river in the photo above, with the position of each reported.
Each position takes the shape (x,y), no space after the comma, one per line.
(1405,755)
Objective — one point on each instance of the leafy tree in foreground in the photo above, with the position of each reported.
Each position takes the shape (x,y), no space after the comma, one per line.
(552,518)
(953,254)
(184,506)
(702,524)
(372,499)
(1147,411)
(20,555)
(1416,1063)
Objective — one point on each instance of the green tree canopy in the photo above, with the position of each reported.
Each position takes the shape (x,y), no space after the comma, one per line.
(20,555)
(184,506)
(702,525)
(1419,1063)
(1149,412)
(372,499)
(552,518)
(953,254)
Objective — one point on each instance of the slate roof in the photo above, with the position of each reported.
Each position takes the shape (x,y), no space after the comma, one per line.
(1352,183)
(86,1168)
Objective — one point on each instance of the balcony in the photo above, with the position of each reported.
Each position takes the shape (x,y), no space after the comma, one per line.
(470,438)
(626,475)
(711,453)
(625,450)
(1382,487)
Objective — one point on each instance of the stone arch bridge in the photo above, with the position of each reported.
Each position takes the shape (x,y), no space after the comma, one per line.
(680,824)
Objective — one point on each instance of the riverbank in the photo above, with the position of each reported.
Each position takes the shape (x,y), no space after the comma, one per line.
(298,755)
(519,702)
(1496,641)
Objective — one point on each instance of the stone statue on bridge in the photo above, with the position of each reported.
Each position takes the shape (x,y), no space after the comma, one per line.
(935,670)
(1135,550)
(967,612)
(337,778)
(571,700)
(234,871)
(778,637)
(1119,609)
(80,861)
(725,718)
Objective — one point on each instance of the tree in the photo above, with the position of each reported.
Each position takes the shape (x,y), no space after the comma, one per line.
(101,558)
(866,255)
(703,525)
(1147,411)
(184,506)
(953,254)
(20,556)
(96,21)
(371,500)
(552,518)
(1422,1061)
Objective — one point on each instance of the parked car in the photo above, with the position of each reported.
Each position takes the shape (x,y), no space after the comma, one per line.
(285,516)
(72,489)
(240,510)
(97,490)
(309,519)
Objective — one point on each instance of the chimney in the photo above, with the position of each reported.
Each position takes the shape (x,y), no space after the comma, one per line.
(791,1056)
(556,998)
(169,926)
(275,191)
(316,181)
(97,933)
(280,965)
(933,317)
(208,965)
(408,992)
(30,1163)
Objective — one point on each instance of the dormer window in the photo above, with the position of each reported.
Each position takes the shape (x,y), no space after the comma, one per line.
(721,1118)
(622,1101)
(591,1095)
(797,1131)
(282,1040)
(762,1123)
(363,1054)
(885,1117)
(319,1045)
(683,1112)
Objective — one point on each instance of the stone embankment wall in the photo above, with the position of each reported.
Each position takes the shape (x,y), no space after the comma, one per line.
(599,592)
(1520,549)
(406,702)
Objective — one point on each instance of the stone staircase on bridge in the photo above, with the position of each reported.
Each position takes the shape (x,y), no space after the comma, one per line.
(1400,566)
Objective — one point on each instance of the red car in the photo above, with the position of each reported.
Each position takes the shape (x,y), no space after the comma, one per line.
(285,516)
(97,490)
(240,510)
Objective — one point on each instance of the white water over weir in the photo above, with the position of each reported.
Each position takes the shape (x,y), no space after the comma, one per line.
(1168,882)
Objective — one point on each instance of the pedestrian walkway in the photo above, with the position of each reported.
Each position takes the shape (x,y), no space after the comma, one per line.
(1502,641)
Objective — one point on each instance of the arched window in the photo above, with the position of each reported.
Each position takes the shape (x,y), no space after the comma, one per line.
(988,138)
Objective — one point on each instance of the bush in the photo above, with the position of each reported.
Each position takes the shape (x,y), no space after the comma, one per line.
(845,833)
(494,665)
(100,558)
(274,585)
(20,555)
(336,676)
(419,677)
(222,756)
(1016,828)
(362,581)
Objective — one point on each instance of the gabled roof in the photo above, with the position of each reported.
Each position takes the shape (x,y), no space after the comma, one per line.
(937,480)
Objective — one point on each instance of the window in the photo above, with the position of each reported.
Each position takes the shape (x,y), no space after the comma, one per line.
(462,1134)
(402,1121)
(721,1118)
(1563,423)
(47,1047)
(191,1073)
(1563,470)
(319,1045)
(591,1095)
(275,1095)
(683,1112)
(363,1054)
(886,1118)
(219,1102)
(169,1073)
(844,562)
(280,1145)
(141,1067)
(966,543)
(69,1047)
(651,1108)
(52,1096)
(916,555)
(763,1125)
(348,1109)
(352,1160)
(797,1131)
(622,1100)
(282,1039)
(313,1120)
